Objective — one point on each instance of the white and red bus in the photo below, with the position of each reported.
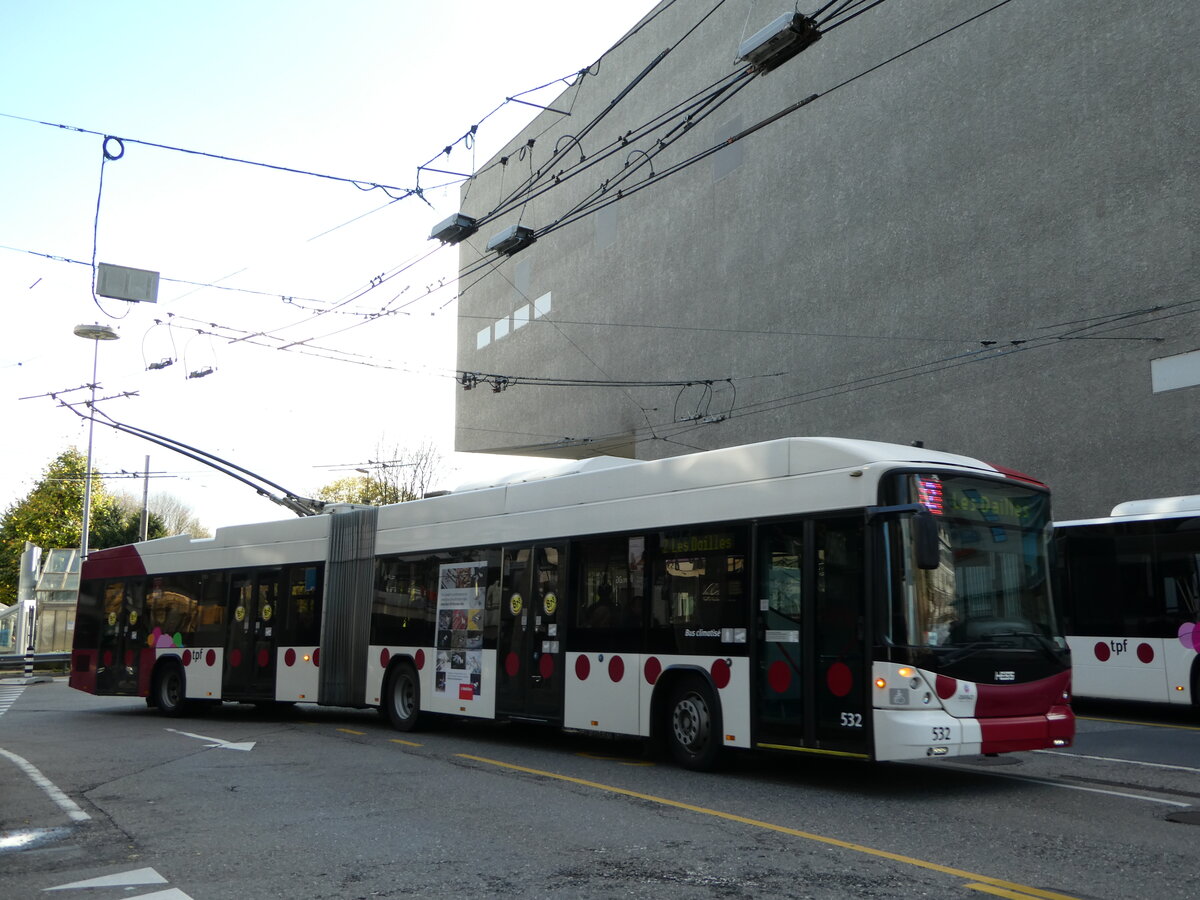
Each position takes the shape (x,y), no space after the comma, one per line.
(813,595)
(1130,585)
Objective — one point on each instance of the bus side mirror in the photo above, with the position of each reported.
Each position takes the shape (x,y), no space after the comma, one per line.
(925,537)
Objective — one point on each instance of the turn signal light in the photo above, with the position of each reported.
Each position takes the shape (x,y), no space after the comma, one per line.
(880,683)
(905,672)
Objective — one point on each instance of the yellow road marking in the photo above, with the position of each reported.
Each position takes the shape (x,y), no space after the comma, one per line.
(617,759)
(1000,892)
(1147,724)
(351,731)
(1018,890)
(405,743)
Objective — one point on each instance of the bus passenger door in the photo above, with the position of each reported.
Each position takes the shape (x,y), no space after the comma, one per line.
(843,719)
(250,641)
(529,649)
(782,670)
(812,650)
(119,646)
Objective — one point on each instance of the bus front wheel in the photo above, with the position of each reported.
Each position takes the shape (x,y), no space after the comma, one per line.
(693,726)
(170,694)
(402,700)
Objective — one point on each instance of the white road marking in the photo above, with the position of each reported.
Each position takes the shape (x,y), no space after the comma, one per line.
(121,879)
(8,696)
(1074,787)
(65,803)
(1131,762)
(216,742)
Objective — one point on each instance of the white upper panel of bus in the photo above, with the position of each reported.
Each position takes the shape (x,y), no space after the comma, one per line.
(780,477)
(1158,506)
(1144,511)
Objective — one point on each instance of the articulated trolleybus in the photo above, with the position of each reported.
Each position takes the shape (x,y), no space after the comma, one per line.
(1130,585)
(815,595)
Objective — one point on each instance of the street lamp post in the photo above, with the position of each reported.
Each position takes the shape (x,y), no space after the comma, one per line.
(96,333)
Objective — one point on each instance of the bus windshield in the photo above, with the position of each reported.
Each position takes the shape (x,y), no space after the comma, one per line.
(992,583)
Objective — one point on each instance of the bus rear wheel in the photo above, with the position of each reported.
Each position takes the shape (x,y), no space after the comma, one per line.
(170,695)
(693,725)
(402,699)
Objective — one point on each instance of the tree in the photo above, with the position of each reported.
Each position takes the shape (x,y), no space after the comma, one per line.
(177,517)
(398,475)
(171,514)
(51,516)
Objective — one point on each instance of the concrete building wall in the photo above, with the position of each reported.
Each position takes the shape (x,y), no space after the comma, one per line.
(984,245)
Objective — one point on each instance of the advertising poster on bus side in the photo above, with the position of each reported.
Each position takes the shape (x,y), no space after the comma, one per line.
(461,596)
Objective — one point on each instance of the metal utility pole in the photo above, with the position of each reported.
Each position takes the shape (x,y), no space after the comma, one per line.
(96,334)
(144,527)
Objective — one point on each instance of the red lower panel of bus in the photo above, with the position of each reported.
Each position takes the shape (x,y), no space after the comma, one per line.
(1013,700)
(1009,733)
(83,671)
(84,667)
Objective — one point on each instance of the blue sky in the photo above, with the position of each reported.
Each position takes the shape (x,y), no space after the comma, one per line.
(362,89)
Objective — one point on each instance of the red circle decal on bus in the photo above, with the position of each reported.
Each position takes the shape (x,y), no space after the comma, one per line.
(512,665)
(1102,652)
(420,659)
(616,669)
(1189,635)
(720,674)
(317,657)
(235,658)
(779,676)
(652,670)
(264,658)
(583,668)
(839,679)
(186,658)
(384,656)
(546,665)
(289,658)
(1145,653)
(946,686)
(210,658)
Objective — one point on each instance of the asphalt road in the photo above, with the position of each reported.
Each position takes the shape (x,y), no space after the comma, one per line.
(331,803)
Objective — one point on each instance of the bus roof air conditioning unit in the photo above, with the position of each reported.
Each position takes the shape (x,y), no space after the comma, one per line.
(457,228)
(511,239)
(779,41)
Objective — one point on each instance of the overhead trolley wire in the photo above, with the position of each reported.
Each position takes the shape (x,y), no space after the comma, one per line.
(656,177)
(359,183)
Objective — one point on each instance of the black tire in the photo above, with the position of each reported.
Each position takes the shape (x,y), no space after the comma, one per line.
(170,691)
(693,725)
(402,698)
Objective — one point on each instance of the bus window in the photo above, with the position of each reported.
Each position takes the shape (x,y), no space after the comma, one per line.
(610,594)
(88,616)
(210,614)
(1111,570)
(698,598)
(172,603)
(301,614)
(1179,576)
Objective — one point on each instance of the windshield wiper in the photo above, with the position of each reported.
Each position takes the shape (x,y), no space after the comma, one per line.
(960,653)
(1042,642)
